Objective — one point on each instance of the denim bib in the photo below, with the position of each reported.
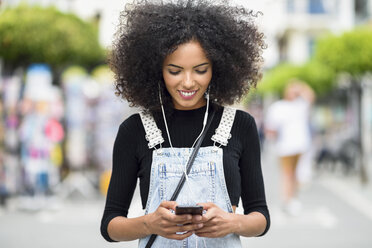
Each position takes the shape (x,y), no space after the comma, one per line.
(204,183)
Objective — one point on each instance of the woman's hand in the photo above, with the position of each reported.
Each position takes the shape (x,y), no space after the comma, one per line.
(216,222)
(167,224)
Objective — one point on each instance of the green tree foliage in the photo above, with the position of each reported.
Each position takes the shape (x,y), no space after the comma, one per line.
(318,76)
(351,52)
(45,35)
(275,79)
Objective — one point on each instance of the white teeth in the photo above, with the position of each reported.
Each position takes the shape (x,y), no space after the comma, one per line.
(187,93)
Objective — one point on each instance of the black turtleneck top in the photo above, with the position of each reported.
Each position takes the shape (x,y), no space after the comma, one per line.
(132,160)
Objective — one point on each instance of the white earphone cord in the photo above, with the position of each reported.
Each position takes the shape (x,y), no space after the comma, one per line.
(167,130)
(171,145)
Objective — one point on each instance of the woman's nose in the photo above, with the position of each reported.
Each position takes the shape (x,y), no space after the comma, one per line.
(188,81)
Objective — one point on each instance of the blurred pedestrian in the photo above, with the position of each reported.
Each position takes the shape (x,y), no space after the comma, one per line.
(287,121)
(170,59)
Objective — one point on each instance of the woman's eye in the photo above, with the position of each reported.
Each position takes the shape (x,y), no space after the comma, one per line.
(174,72)
(201,72)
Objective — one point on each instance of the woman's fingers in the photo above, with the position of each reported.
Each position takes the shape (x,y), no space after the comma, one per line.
(174,226)
(168,204)
(213,223)
(210,231)
(179,236)
(178,219)
(164,208)
(208,234)
(216,222)
(185,228)
(210,211)
(180,232)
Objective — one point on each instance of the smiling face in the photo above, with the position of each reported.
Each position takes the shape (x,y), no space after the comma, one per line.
(187,73)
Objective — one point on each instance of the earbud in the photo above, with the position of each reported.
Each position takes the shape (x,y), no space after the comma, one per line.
(206,112)
(160,99)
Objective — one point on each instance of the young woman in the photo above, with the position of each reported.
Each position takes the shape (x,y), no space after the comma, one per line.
(170,59)
(288,122)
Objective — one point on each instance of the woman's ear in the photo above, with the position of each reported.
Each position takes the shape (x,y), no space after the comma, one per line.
(206,93)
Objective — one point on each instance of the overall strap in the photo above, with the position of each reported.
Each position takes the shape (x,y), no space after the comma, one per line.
(223,134)
(153,133)
(188,168)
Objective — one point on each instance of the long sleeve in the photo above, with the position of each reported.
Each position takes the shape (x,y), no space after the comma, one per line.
(252,184)
(124,175)
(132,159)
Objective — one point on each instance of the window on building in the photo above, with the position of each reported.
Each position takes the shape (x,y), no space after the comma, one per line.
(310,46)
(361,9)
(316,7)
(291,8)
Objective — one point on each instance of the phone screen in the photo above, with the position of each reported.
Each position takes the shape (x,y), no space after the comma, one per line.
(189,210)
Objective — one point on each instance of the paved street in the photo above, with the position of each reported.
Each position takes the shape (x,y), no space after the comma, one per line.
(336,213)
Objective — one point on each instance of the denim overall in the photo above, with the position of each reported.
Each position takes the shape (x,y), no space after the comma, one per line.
(205,182)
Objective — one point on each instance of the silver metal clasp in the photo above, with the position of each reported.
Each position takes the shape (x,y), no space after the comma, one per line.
(159,151)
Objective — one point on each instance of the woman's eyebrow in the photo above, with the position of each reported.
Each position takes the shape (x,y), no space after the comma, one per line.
(175,66)
(206,63)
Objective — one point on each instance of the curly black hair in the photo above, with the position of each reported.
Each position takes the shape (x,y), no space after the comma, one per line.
(148,32)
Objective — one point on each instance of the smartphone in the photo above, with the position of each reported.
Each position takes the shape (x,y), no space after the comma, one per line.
(194,210)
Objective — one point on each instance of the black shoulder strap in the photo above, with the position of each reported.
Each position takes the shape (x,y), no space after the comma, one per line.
(188,168)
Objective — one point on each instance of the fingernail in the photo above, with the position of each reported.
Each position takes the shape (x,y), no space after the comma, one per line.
(200,225)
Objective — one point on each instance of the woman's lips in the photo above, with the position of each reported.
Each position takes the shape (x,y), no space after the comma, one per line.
(187,94)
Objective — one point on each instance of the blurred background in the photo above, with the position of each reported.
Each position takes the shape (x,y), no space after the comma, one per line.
(59,117)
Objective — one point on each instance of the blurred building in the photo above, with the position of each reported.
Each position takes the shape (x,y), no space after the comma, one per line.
(292,26)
